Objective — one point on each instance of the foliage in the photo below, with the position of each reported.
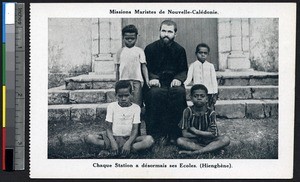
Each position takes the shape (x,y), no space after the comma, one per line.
(80,69)
(56,79)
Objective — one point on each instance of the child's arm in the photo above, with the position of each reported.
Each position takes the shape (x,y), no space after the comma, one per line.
(214,98)
(187,134)
(206,134)
(133,135)
(214,84)
(145,73)
(117,72)
(189,75)
(117,63)
(113,143)
(212,130)
(214,79)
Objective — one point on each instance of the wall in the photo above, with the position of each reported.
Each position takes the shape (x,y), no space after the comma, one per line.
(69,47)
(264,44)
(73,42)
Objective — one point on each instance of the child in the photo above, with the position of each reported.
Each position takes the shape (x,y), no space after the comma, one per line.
(203,72)
(198,124)
(131,63)
(123,119)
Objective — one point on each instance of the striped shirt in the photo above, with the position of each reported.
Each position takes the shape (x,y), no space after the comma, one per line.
(205,122)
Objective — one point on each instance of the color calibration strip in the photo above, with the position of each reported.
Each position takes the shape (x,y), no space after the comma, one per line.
(13,101)
(8,87)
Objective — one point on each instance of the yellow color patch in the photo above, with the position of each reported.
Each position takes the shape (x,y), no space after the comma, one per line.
(3,106)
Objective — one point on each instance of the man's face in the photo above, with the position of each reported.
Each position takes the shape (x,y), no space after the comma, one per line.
(167,33)
(129,39)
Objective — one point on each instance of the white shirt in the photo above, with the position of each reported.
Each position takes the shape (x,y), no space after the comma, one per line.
(123,118)
(203,73)
(130,60)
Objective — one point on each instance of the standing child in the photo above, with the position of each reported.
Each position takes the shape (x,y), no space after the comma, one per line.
(123,119)
(131,63)
(198,124)
(203,72)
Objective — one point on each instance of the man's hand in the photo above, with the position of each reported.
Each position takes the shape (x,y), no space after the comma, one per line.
(175,83)
(126,148)
(154,83)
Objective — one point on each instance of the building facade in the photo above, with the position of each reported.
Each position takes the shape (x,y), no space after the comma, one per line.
(85,45)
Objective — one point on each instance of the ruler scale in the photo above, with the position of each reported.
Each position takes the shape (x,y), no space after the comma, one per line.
(13,123)
(19,153)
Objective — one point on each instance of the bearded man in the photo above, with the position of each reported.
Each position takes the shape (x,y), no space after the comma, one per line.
(165,100)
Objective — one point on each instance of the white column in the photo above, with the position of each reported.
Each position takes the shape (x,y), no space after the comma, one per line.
(110,40)
(223,42)
(237,59)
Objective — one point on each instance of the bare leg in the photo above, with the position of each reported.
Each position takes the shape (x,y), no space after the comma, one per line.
(142,142)
(222,141)
(95,140)
(219,143)
(188,144)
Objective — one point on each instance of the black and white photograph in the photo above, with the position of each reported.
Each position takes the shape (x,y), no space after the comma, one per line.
(238,66)
(160,90)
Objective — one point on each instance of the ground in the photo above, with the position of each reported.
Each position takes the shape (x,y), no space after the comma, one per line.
(250,139)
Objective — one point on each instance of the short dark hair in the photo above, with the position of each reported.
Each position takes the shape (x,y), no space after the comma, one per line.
(123,84)
(169,23)
(202,45)
(129,29)
(198,87)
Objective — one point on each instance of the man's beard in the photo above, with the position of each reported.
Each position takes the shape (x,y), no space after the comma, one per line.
(166,40)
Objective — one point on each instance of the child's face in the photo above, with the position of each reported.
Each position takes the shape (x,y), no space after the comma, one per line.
(123,96)
(202,54)
(199,98)
(129,39)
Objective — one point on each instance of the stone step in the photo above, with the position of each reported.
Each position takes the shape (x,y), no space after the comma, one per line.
(224,79)
(244,92)
(60,96)
(251,78)
(225,109)
(91,81)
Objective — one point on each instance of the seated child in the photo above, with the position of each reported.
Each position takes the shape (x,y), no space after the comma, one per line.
(198,124)
(123,119)
(203,72)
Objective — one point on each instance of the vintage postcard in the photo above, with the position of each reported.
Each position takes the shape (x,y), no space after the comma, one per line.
(162,90)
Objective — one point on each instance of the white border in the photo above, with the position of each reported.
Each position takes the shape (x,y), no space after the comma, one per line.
(41,167)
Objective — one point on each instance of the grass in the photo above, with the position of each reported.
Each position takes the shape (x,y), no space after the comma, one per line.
(250,139)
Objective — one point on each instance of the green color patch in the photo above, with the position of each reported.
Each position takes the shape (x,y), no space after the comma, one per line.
(3,64)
